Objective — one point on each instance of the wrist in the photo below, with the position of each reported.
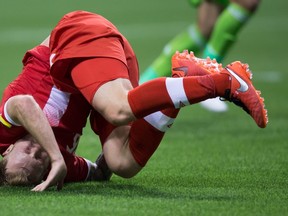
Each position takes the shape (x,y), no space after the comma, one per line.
(57,158)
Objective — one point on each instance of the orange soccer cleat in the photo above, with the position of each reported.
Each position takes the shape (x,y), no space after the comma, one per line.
(243,93)
(187,64)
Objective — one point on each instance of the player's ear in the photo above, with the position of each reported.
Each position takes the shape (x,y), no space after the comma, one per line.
(8,150)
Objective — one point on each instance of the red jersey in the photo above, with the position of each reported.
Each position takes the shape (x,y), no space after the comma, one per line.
(67,113)
(82,34)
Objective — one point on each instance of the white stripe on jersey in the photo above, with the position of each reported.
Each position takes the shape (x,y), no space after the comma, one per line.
(8,118)
(176,92)
(56,106)
(159,121)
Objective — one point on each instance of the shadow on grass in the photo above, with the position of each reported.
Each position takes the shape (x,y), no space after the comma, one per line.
(142,191)
(114,189)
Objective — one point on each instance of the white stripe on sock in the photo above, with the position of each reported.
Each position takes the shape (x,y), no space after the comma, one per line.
(176,92)
(160,121)
(195,35)
(237,14)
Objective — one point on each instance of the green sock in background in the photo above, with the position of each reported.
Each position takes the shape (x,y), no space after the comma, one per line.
(190,39)
(225,31)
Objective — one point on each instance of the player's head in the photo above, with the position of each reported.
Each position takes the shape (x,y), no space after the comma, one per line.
(24,163)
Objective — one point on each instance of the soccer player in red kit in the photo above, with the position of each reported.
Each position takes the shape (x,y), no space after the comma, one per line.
(25,161)
(90,56)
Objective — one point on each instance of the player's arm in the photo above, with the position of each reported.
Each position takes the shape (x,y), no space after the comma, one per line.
(23,110)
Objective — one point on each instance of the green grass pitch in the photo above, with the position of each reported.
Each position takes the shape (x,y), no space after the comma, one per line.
(207,164)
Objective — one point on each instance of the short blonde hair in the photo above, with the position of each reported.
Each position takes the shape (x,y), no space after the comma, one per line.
(18,178)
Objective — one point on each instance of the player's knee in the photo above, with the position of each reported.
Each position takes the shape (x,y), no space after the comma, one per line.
(124,173)
(123,170)
(250,5)
(117,118)
(121,163)
(118,114)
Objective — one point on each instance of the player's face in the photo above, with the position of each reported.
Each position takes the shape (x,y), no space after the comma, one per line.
(28,156)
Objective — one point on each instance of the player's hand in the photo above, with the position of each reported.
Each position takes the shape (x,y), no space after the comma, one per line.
(55,177)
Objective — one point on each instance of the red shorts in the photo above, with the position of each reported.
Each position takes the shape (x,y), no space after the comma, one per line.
(85,36)
(87,51)
(89,74)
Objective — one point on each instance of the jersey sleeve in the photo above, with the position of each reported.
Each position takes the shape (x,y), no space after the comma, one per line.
(5,119)
(9,130)
(77,168)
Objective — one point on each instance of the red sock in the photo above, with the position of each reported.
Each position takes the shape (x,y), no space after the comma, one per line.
(144,140)
(149,97)
(222,83)
(163,93)
(171,112)
(146,134)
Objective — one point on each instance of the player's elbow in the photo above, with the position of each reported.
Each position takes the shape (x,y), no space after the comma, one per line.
(23,104)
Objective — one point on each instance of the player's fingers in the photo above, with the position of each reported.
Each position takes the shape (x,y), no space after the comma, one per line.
(39,188)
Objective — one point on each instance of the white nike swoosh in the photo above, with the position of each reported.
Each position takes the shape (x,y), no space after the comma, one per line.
(243,85)
(51,59)
(183,68)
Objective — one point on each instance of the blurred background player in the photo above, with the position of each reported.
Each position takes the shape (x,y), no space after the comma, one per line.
(214,32)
